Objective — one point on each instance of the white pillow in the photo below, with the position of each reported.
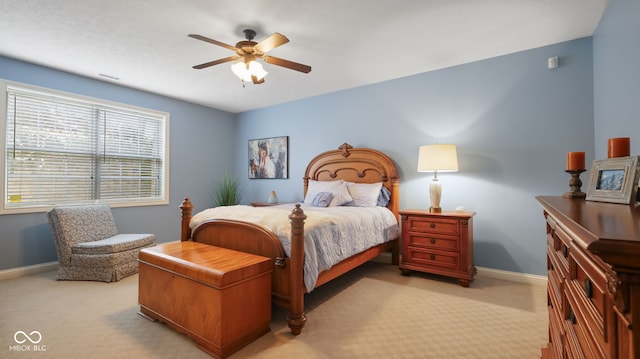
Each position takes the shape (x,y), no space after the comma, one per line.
(341,196)
(315,187)
(364,194)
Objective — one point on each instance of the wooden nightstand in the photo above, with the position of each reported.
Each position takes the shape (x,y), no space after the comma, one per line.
(438,243)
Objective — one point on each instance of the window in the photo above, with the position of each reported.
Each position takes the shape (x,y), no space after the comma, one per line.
(60,148)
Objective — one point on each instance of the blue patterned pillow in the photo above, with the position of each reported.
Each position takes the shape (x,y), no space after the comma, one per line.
(322,199)
(384,197)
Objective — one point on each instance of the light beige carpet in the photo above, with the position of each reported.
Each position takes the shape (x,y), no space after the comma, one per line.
(372,312)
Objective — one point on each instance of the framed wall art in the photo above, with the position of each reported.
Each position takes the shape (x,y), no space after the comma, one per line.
(614,180)
(269,157)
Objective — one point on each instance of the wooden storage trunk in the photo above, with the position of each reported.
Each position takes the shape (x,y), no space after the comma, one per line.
(219,297)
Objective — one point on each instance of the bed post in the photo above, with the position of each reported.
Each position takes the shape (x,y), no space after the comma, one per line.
(297,318)
(394,206)
(187,208)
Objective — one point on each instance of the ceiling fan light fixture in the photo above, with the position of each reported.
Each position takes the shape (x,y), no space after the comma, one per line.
(245,70)
(256,69)
(246,52)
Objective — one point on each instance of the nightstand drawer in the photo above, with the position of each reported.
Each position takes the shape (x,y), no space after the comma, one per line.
(434,225)
(448,260)
(434,241)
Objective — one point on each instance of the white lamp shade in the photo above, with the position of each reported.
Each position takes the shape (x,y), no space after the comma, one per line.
(256,69)
(240,70)
(438,158)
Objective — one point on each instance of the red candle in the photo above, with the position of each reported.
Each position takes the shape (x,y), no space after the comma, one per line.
(619,147)
(575,161)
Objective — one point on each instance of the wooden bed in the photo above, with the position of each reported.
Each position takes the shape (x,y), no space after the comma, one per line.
(362,165)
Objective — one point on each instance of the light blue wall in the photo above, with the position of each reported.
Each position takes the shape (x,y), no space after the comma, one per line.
(198,137)
(616,61)
(512,119)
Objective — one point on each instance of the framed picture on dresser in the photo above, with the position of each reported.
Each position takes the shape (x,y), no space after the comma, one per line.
(614,180)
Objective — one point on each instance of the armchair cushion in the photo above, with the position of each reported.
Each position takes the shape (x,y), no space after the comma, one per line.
(117,243)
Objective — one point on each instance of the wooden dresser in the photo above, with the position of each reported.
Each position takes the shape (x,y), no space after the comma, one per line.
(438,243)
(593,261)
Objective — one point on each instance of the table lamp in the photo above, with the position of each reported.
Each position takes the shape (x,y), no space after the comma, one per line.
(437,158)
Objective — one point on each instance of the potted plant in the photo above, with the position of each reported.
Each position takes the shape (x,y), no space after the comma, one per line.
(227,191)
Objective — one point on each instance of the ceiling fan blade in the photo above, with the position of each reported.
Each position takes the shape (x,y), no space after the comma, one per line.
(271,42)
(288,64)
(212,41)
(216,62)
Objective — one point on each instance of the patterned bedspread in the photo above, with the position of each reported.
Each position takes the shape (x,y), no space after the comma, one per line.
(332,234)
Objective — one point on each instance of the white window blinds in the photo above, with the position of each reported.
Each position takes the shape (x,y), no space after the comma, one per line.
(65,150)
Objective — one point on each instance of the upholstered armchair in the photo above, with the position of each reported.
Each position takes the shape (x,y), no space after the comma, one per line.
(89,246)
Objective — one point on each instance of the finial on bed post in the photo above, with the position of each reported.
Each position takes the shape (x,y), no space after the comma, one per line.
(297,318)
(187,209)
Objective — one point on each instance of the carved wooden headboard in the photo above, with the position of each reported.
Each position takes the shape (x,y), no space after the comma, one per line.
(362,165)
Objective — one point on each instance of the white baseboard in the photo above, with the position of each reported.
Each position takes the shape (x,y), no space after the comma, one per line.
(384,257)
(22,271)
(512,276)
(526,278)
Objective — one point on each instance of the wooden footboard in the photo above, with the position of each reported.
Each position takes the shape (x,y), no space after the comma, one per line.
(288,272)
(287,277)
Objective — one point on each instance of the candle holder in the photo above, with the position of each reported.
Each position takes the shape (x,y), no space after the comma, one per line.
(575,184)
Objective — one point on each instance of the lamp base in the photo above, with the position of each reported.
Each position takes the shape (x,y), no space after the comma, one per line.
(435,210)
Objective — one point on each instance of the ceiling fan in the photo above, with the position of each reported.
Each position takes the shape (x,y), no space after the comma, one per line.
(247,51)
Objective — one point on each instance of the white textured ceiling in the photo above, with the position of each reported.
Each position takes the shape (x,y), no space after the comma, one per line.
(348,43)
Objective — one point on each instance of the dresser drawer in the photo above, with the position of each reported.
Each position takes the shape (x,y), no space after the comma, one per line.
(433,258)
(435,241)
(554,288)
(433,225)
(573,346)
(591,341)
(561,242)
(588,284)
(555,333)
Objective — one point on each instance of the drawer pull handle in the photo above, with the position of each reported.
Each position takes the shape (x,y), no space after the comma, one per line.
(588,288)
(432,225)
(433,241)
(564,250)
(433,257)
